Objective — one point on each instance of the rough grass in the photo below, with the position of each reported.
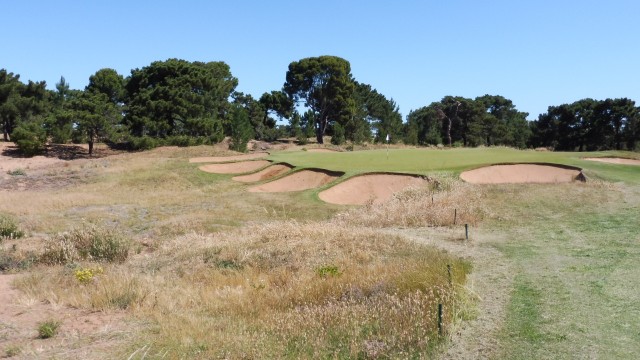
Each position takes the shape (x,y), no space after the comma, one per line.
(258,292)
(445,202)
(89,242)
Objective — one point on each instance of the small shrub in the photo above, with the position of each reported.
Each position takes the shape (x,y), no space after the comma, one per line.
(16,260)
(87,243)
(17,172)
(9,228)
(12,351)
(48,329)
(338,137)
(87,275)
(327,271)
(142,143)
(30,137)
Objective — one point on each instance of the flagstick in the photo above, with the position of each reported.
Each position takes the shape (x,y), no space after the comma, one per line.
(387,146)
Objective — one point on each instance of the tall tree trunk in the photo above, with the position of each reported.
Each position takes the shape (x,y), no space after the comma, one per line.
(90,147)
(320,130)
(449,130)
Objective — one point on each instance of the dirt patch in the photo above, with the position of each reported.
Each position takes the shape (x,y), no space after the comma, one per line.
(10,160)
(613,160)
(301,180)
(268,173)
(235,168)
(370,187)
(220,159)
(522,174)
(82,333)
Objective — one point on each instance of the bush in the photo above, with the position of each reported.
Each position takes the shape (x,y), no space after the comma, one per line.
(30,137)
(14,260)
(48,329)
(9,228)
(143,143)
(241,131)
(338,135)
(17,172)
(87,243)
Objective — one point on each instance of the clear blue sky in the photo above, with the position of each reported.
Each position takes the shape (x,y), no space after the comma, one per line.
(536,53)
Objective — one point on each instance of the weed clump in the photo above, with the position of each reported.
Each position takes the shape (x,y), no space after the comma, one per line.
(9,229)
(48,329)
(87,243)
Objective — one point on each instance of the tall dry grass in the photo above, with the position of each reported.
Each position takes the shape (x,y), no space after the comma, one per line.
(278,290)
(445,201)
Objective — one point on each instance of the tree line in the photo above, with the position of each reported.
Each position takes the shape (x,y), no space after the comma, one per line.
(177,102)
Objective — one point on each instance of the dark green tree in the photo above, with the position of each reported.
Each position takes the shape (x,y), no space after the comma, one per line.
(109,82)
(501,123)
(326,86)
(9,92)
(379,113)
(241,131)
(338,137)
(263,126)
(162,97)
(30,136)
(95,117)
(59,122)
(425,125)
(20,102)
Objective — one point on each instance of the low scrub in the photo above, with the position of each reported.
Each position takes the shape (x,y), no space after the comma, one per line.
(94,287)
(290,290)
(89,242)
(9,228)
(445,202)
(48,329)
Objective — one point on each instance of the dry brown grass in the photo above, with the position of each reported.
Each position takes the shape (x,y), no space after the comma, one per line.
(283,289)
(446,200)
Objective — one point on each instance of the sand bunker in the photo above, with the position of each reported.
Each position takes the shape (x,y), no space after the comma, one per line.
(301,180)
(268,173)
(371,187)
(522,174)
(321,150)
(612,160)
(235,168)
(219,159)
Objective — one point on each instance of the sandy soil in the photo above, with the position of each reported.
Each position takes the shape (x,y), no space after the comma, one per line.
(615,160)
(520,174)
(372,187)
(235,168)
(268,173)
(301,180)
(8,163)
(219,159)
(82,333)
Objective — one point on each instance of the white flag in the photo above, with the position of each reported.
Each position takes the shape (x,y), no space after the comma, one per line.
(387,137)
